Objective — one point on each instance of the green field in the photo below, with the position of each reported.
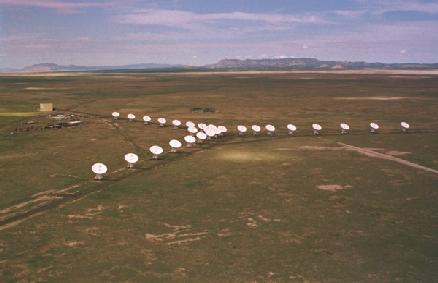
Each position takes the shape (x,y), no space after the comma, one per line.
(331,208)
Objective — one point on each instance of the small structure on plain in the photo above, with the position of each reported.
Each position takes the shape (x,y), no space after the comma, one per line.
(46,107)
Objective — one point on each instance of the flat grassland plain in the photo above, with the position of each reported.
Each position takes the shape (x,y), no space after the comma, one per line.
(333,208)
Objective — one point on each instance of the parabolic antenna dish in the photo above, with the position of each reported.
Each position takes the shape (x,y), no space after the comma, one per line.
(99,168)
(201,136)
(405,125)
(156,150)
(176,123)
(255,128)
(147,118)
(74,123)
(131,116)
(190,124)
(291,127)
(192,130)
(175,143)
(344,126)
(223,129)
(317,127)
(210,132)
(270,128)
(131,158)
(242,129)
(190,139)
(374,126)
(115,115)
(218,131)
(161,121)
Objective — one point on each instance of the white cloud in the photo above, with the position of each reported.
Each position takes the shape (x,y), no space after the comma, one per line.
(65,6)
(408,6)
(190,20)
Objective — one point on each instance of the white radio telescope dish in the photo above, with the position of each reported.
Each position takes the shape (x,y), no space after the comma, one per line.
(241,129)
(176,124)
(190,124)
(147,119)
(156,150)
(192,130)
(255,129)
(162,121)
(405,126)
(189,140)
(222,129)
(374,127)
(99,169)
(115,115)
(201,136)
(345,128)
(316,129)
(292,128)
(131,158)
(131,116)
(218,131)
(175,144)
(270,129)
(210,132)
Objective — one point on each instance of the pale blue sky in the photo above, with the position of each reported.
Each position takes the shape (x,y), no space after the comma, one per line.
(197,32)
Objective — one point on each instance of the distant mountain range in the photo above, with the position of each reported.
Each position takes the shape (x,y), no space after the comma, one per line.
(52,67)
(311,64)
(236,64)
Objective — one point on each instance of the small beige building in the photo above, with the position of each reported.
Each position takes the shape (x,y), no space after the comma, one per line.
(46,107)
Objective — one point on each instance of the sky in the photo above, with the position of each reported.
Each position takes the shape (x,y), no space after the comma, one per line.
(198,32)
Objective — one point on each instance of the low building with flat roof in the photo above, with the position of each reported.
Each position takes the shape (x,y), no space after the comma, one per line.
(46,107)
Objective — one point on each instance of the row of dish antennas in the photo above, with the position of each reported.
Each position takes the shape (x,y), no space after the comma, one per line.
(147,120)
(100,169)
(345,128)
(197,134)
(317,128)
